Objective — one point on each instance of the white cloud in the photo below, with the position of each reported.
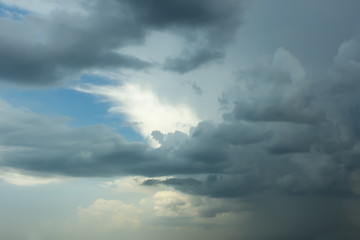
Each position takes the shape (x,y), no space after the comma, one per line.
(110,214)
(349,54)
(144,110)
(287,62)
(16,178)
(172,204)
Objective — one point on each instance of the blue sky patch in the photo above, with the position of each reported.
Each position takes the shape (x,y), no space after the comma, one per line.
(12,12)
(82,109)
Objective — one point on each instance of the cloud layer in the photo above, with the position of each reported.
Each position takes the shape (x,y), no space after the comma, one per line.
(282,163)
(289,140)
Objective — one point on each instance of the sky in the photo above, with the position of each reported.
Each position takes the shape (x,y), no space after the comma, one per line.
(179,119)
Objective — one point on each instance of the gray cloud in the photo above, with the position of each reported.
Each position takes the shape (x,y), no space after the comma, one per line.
(301,139)
(187,13)
(65,44)
(43,145)
(44,51)
(296,170)
(191,61)
(295,153)
(276,97)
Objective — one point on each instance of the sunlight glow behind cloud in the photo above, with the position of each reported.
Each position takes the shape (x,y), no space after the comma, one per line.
(144,110)
(13,177)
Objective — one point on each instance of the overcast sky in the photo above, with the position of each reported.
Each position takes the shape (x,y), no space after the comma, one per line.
(179,119)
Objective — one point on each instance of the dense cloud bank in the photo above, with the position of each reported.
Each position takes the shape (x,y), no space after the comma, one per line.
(57,47)
(286,132)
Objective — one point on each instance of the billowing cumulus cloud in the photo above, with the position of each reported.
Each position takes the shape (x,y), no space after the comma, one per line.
(283,142)
(111,214)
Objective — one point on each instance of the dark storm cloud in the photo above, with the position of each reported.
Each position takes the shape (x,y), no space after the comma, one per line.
(276,97)
(44,51)
(291,135)
(218,186)
(64,44)
(41,66)
(216,22)
(162,13)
